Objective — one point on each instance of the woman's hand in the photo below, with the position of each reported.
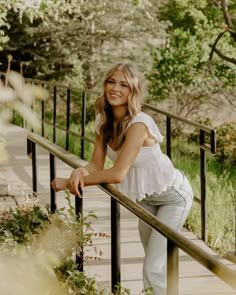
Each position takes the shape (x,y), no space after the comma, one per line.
(75,183)
(59,184)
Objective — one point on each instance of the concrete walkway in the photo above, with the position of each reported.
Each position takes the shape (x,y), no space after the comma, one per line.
(194,278)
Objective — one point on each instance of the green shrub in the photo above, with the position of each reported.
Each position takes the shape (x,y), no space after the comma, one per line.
(22,223)
(226,144)
(51,243)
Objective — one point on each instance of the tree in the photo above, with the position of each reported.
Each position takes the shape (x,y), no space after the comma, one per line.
(83,36)
(230,28)
(181,65)
(28,8)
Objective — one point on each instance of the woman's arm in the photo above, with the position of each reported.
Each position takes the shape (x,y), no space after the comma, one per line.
(77,175)
(98,158)
(135,137)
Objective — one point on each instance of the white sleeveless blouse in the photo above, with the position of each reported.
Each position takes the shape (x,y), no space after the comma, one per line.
(152,171)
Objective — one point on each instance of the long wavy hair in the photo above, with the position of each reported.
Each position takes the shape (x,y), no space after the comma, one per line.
(104,110)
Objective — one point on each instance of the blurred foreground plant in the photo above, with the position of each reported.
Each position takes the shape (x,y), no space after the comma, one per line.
(39,250)
(16,96)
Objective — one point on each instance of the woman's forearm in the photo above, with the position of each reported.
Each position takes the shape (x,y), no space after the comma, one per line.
(88,169)
(80,178)
(103,176)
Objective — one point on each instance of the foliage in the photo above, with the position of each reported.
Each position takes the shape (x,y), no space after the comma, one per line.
(226,144)
(23,223)
(50,245)
(79,283)
(220,202)
(220,189)
(120,290)
(29,9)
(57,239)
(181,70)
(82,38)
(74,280)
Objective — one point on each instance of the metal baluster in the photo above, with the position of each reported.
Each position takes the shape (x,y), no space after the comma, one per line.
(79,213)
(168,137)
(67,118)
(203,185)
(83,124)
(52,176)
(115,244)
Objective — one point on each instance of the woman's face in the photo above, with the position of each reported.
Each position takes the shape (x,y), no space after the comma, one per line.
(117,89)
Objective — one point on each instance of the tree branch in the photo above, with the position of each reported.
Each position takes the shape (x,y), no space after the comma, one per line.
(224,57)
(227,18)
(215,43)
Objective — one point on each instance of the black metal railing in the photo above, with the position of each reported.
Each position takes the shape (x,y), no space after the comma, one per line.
(175,240)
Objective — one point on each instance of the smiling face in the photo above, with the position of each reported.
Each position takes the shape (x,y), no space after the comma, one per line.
(117,89)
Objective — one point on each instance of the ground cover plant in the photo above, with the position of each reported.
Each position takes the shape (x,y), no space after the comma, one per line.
(39,251)
(48,244)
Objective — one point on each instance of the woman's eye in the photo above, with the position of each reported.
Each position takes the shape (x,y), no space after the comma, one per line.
(110,81)
(124,85)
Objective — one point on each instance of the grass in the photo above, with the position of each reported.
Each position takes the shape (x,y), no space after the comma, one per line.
(220,203)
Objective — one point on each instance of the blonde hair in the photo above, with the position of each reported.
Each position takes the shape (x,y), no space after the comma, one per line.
(106,128)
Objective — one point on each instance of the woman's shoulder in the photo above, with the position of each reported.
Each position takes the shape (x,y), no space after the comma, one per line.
(142,117)
(146,119)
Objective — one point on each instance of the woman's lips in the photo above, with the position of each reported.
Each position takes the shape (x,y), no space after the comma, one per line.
(115,95)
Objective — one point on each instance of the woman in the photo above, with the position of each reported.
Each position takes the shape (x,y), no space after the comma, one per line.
(141,171)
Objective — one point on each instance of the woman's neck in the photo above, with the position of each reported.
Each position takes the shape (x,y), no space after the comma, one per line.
(119,113)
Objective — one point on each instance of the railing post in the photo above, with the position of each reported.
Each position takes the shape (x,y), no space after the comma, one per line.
(213,141)
(29,148)
(23,119)
(172,269)
(203,185)
(53,204)
(34,167)
(83,124)
(54,112)
(67,118)
(168,137)
(42,117)
(79,213)
(115,244)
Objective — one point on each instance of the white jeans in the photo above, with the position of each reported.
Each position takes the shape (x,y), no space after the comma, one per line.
(170,207)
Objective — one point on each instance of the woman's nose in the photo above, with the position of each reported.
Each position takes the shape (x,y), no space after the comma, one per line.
(116,87)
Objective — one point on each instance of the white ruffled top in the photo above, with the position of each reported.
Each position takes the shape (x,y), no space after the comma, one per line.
(152,171)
